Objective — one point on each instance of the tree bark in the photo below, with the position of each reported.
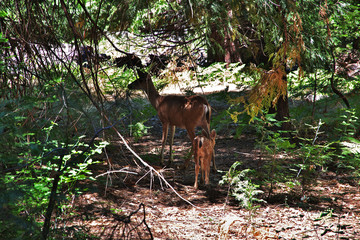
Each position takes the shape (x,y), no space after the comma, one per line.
(222,47)
(282,109)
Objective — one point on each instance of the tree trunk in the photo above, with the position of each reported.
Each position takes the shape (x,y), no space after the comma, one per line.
(222,47)
(282,110)
(216,47)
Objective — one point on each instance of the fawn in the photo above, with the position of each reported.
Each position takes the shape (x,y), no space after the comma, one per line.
(203,147)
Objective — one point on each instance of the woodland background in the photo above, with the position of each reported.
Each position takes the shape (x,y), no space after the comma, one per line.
(290,76)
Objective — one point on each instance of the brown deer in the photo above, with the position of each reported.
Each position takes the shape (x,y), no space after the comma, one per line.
(186,112)
(203,147)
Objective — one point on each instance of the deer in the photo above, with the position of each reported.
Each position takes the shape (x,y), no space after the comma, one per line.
(186,112)
(203,147)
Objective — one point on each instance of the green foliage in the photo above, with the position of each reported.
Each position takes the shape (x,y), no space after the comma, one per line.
(301,87)
(141,21)
(119,80)
(328,213)
(350,157)
(35,92)
(29,160)
(2,40)
(223,72)
(241,187)
(312,156)
(221,121)
(232,120)
(312,153)
(234,125)
(274,145)
(142,110)
(348,125)
(138,130)
(345,22)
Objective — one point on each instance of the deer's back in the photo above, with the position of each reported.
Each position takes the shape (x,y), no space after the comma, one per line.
(183,111)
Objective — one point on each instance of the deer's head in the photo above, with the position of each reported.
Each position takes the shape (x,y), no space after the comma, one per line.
(142,83)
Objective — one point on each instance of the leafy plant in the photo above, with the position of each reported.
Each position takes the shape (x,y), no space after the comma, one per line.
(327,213)
(29,170)
(349,123)
(350,146)
(119,79)
(222,72)
(233,119)
(273,142)
(312,156)
(138,130)
(350,157)
(241,187)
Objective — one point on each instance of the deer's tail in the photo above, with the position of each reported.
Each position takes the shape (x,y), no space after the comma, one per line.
(207,115)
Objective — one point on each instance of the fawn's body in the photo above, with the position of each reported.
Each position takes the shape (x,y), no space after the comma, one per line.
(203,147)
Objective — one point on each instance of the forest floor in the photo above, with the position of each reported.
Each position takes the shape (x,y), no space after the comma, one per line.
(138,206)
(215,215)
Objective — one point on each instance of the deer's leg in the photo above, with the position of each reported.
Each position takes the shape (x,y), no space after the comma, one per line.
(164,137)
(191,133)
(172,134)
(206,127)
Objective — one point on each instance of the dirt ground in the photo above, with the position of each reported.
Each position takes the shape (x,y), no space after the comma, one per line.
(128,206)
(136,204)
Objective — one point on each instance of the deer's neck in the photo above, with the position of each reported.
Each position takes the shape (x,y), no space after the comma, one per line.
(153,94)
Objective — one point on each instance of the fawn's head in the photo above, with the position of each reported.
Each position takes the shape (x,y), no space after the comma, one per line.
(212,134)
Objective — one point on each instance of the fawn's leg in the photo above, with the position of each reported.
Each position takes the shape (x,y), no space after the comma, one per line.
(197,168)
(213,161)
(207,171)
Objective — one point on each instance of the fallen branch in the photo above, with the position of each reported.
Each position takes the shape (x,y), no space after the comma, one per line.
(123,170)
(151,169)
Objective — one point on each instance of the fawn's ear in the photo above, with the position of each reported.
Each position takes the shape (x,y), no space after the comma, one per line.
(213,133)
(198,142)
(201,141)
